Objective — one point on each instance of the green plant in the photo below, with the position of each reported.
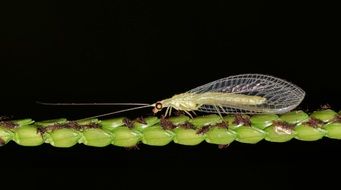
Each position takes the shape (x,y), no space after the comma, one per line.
(181,129)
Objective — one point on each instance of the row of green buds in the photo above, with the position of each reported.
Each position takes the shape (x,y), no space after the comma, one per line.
(181,129)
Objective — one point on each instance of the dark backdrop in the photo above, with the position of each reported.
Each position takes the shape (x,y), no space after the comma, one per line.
(139,51)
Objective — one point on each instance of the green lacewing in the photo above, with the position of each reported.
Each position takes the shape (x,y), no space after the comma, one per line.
(237,94)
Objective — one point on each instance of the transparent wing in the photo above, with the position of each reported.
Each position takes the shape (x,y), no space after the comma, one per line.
(281,96)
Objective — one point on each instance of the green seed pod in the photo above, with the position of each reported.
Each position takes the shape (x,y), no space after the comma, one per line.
(5,136)
(28,136)
(262,121)
(51,122)
(187,136)
(179,119)
(87,121)
(324,115)
(229,119)
(220,136)
(111,124)
(22,122)
(275,134)
(96,137)
(125,137)
(294,117)
(250,135)
(201,121)
(157,136)
(305,132)
(62,138)
(147,122)
(180,129)
(333,130)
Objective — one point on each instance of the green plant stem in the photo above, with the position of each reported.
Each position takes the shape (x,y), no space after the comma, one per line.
(179,129)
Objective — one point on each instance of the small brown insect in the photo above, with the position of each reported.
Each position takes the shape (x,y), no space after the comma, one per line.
(203,130)
(325,106)
(44,129)
(69,125)
(141,120)
(187,125)
(282,127)
(129,123)
(167,124)
(4,118)
(242,120)
(8,124)
(72,125)
(90,126)
(223,146)
(313,122)
(41,130)
(135,147)
(222,125)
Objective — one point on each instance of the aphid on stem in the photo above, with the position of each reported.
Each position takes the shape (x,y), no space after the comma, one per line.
(69,125)
(313,122)
(222,124)
(325,106)
(4,118)
(8,124)
(282,127)
(187,125)
(223,146)
(204,129)
(167,124)
(242,120)
(129,123)
(141,120)
(135,147)
(239,94)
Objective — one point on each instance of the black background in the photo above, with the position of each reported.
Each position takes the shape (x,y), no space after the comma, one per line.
(118,51)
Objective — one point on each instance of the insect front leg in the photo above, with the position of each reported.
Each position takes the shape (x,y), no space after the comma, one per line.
(167,111)
(221,107)
(170,111)
(218,111)
(189,114)
(194,113)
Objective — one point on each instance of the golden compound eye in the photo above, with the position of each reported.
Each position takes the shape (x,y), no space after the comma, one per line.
(158,106)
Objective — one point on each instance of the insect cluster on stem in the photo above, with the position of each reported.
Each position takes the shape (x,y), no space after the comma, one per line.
(179,129)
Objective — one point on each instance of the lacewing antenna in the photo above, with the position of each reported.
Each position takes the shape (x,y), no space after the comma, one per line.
(140,106)
(90,104)
(115,112)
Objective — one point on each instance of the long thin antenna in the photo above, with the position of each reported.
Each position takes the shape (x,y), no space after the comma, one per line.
(90,104)
(115,112)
